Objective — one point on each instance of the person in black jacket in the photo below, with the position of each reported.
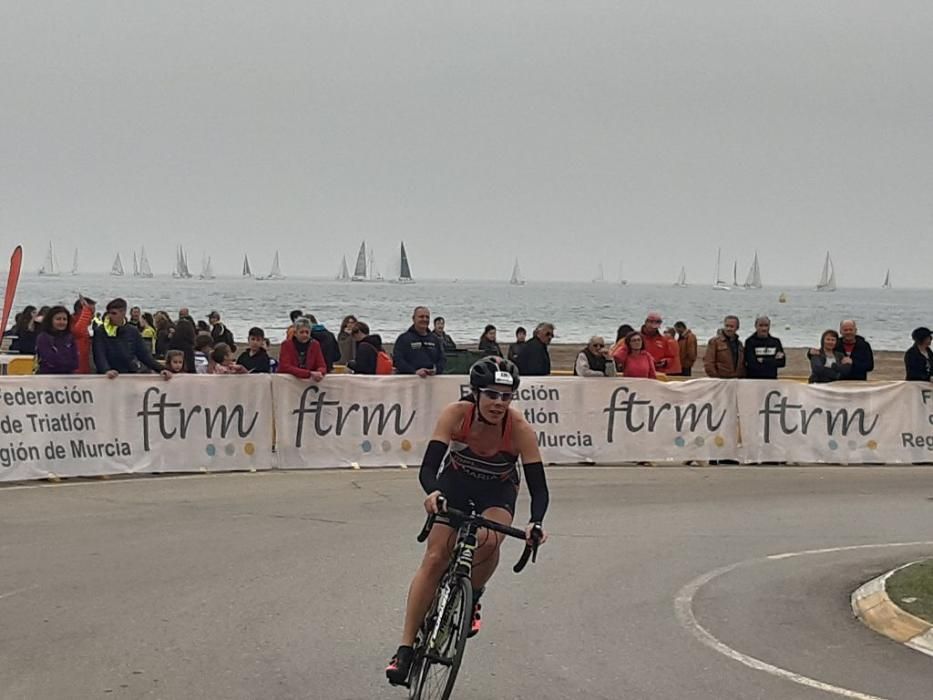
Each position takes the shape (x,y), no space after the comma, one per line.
(857,349)
(418,350)
(516,347)
(119,348)
(368,348)
(764,354)
(918,360)
(828,363)
(534,359)
(219,332)
(255,358)
(330,348)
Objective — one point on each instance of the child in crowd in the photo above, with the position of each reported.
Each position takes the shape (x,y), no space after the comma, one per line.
(223,362)
(273,363)
(203,345)
(175,361)
(255,359)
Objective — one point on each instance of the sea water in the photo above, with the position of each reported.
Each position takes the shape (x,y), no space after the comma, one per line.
(578,310)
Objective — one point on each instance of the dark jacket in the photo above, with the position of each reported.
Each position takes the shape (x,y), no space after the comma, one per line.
(57,354)
(863,359)
(413,352)
(25,342)
(126,352)
(367,350)
(183,339)
(487,347)
(447,343)
(255,364)
(918,364)
(514,350)
(820,373)
(760,360)
(534,359)
(330,348)
(221,334)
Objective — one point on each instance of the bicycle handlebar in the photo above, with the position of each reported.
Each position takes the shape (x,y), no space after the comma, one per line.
(530,551)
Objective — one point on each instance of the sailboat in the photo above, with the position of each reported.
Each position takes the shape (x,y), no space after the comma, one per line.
(181,270)
(144,269)
(735,274)
(276,272)
(50,266)
(681,278)
(247,272)
(359,272)
(74,264)
(720,283)
(887,280)
(117,268)
(135,265)
(207,269)
(753,280)
(344,274)
(600,277)
(404,276)
(827,281)
(622,280)
(516,275)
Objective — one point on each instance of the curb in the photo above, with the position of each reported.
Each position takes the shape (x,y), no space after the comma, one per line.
(872,605)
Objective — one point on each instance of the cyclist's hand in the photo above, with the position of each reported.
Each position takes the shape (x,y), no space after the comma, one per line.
(541,540)
(430,503)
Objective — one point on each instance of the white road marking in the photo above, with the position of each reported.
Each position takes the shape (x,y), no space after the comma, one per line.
(683,605)
(18,590)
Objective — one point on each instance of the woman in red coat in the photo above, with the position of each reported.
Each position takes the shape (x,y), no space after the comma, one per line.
(301,356)
(635,361)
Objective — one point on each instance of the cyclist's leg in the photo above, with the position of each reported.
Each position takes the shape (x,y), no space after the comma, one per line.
(424,584)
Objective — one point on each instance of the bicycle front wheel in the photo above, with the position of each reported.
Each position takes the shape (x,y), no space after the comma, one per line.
(444,641)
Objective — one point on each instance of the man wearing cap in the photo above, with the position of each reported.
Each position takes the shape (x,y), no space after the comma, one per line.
(219,332)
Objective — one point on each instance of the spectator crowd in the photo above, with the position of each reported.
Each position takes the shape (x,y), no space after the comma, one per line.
(127,340)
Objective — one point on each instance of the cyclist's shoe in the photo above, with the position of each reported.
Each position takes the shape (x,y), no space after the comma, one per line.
(400,665)
(477,622)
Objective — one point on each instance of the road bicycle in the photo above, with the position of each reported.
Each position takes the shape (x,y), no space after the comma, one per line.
(441,640)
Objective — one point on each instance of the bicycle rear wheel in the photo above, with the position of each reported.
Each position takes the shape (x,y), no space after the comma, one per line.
(443,641)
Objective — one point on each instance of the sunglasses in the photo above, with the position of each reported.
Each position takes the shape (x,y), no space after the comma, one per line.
(497,395)
(599,345)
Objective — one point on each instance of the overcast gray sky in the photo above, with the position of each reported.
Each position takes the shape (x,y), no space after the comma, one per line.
(566,133)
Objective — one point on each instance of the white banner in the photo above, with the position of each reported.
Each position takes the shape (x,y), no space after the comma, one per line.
(89,425)
(387,421)
(839,423)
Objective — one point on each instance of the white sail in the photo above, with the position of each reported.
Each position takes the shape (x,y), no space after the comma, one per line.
(247,272)
(207,268)
(720,283)
(276,272)
(74,263)
(135,265)
(516,274)
(600,277)
(681,278)
(344,274)
(622,280)
(374,274)
(753,279)
(827,281)
(359,271)
(887,280)
(145,270)
(117,268)
(50,265)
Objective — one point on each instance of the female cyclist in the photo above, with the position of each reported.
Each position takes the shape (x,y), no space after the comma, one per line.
(473,456)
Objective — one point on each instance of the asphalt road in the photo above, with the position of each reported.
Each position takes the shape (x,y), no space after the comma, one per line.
(291,585)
